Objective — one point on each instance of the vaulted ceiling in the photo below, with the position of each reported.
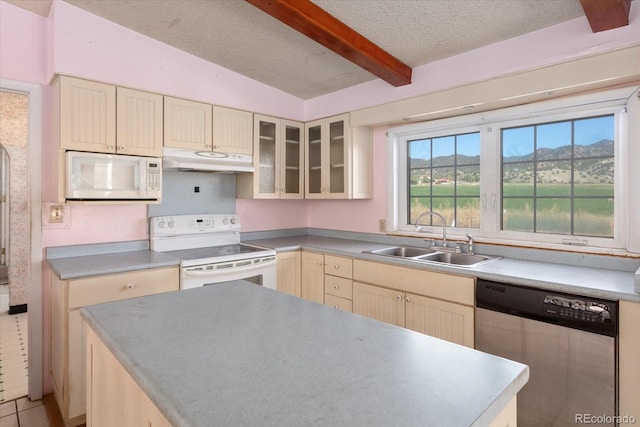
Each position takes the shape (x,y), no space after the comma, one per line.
(372,38)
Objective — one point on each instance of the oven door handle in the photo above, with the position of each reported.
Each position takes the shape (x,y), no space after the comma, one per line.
(196,272)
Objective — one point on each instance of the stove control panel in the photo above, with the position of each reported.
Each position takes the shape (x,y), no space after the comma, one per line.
(193,224)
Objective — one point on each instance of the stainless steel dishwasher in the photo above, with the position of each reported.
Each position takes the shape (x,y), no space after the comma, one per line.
(569,343)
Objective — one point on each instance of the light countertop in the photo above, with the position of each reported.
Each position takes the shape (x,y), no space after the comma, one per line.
(243,355)
(581,280)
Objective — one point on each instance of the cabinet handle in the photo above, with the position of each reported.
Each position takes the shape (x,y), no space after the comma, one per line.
(398,297)
(320,263)
(129,286)
(110,147)
(336,287)
(121,148)
(336,307)
(407,299)
(336,266)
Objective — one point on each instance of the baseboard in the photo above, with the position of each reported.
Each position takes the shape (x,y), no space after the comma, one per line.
(17,309)
(53,412)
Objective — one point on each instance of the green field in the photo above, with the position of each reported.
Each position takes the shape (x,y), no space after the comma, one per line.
(593,207)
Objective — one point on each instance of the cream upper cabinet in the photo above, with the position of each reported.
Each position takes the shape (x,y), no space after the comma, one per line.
(67,327)
(232,131)
(338,160)
(85,112)
(187,124)
(103,118)
(139,123)
(278,157)
(289,273)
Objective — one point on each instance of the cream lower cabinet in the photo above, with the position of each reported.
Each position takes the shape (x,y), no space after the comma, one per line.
(313,276)
(113,396)
(338,286)
(67,362)
(629,360)
(289,267)
(436,304)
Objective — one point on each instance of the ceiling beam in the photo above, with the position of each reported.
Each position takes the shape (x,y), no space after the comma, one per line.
(317,24)
(606,14)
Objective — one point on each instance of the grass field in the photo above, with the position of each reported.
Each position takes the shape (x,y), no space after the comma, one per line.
(592,211)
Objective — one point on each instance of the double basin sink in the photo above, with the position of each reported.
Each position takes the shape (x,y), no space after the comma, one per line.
(432,255)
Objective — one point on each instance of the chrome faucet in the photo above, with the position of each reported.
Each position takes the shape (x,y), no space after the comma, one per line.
(470,244)
(444,225)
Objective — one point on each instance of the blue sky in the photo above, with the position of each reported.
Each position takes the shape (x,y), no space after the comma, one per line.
(519,141)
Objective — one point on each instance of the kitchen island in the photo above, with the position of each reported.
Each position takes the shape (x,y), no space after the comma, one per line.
(237,354)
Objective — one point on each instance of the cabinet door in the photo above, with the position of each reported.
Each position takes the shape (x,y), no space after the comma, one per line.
(440,319)
(314,186)
(187,124)
(232,131)
(337,161)
(289,267)
(87,114)
(77,365)
(266,161)
(292,161)
(379,303)
(139,123)
(313,276)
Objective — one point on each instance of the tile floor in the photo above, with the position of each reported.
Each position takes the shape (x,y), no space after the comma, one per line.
(23,413)
(13,356)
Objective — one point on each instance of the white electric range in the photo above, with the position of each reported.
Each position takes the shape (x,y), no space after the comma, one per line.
(210,251)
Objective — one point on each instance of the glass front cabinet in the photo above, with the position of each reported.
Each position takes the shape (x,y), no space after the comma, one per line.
(338,162)
(278,157)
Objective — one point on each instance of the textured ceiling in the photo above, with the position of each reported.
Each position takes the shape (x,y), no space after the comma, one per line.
(239,37)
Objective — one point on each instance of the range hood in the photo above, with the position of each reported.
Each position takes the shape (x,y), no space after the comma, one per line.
(207,161)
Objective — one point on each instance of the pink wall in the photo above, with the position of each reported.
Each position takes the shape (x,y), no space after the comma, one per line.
(23,42)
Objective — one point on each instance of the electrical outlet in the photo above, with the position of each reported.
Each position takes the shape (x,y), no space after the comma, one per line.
(382,225)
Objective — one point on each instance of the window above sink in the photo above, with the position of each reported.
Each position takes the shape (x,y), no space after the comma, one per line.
(552,173)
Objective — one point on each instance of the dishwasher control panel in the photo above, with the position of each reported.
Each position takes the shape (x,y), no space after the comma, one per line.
(582,312)
(577,309)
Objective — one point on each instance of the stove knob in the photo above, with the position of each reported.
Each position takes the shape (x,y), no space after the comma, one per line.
(233,220)
(161,224)
(171,223)
(225,221)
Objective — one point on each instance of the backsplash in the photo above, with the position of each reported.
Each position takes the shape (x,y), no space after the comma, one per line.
(195,192)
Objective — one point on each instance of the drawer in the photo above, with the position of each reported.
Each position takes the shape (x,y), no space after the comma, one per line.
(113,287)
(339,303)
(338,286)
(338,266)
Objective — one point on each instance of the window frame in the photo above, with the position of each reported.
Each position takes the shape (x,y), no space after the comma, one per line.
(489,124)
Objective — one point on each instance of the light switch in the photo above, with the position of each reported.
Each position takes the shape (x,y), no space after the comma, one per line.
(56,215)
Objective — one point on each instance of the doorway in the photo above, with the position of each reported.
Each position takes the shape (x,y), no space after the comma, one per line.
(20,229)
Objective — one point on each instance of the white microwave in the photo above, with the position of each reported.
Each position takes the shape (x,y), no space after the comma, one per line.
(96,176)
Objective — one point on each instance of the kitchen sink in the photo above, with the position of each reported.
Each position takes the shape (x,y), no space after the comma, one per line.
(403,252)
(432,256)
(457,259)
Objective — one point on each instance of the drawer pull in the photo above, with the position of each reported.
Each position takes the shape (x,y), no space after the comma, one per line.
(337,267)
(336,307)
(336,287)
(398,297)
(129,286)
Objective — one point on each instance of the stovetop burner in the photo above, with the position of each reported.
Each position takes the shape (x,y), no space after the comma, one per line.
(201,239)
